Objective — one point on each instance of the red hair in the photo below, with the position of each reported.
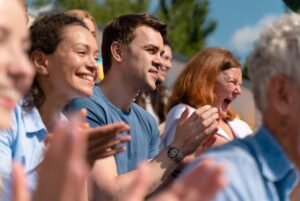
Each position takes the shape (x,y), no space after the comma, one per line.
(195,85)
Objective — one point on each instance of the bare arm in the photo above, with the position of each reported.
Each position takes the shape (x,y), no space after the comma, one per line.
(189,134)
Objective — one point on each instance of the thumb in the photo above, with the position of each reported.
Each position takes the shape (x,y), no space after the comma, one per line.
(184,115)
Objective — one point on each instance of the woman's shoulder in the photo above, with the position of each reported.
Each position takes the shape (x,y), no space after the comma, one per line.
(240,127)
(178,109)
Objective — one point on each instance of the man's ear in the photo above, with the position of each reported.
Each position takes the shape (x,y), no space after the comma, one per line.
(279,94)
(116,51)
(40,62)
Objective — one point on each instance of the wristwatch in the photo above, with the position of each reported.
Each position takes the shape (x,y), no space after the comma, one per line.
(175,154)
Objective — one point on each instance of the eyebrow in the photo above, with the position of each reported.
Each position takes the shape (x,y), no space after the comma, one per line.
(86,46)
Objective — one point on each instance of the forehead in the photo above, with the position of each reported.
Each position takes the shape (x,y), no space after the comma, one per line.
(231,73)
(74,34)
(12,16)
(90,24)
(145,35)
(167,50)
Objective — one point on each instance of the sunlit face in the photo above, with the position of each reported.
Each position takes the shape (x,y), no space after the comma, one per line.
(72,68)
(167,63)
(227,88)
(143,58)
(90,25)
(16,73)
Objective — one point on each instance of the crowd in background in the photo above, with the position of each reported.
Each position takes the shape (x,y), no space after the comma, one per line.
(74,129)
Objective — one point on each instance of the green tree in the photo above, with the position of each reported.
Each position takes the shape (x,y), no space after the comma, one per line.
(187,20)
(104,11)
(294,5)
(188,23)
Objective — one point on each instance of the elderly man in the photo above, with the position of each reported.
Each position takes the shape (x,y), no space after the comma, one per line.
(264,166)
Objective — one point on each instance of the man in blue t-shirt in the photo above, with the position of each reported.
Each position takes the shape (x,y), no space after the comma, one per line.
(132,47)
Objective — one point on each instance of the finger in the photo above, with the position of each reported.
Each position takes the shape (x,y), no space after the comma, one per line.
(107,141)
(202,182)
(207,118)
(184,115)
(19,187)
(200,111)
(110,129)
(211,129)
(91,158)
(103,147)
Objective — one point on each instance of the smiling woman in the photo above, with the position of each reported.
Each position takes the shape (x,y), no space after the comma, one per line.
(15,70)
(65,59)
(212,77)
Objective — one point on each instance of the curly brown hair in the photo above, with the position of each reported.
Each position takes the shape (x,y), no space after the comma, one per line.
(46,34)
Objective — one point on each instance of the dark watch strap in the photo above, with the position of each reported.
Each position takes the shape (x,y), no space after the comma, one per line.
(175,154)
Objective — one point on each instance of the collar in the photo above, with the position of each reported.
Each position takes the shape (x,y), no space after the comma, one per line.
(33,123)
(275,164)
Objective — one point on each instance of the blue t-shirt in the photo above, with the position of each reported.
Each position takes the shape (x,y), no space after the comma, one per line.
(144,144)
(257,168)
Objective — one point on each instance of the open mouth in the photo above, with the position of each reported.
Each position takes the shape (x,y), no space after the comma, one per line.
(227,102)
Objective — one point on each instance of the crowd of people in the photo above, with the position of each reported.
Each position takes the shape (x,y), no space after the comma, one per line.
(64,136)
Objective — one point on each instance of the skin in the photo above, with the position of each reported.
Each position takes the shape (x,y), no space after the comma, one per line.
(185,189)
(135,68)
(90,25)
(227,86)
(69,72)
(16,73)
(281,116)
(167,64)
(143,59)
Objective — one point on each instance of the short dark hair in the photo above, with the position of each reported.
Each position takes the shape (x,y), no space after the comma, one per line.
(121,30)
(46,31)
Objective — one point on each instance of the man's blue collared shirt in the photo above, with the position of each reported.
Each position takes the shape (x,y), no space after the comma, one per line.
(23,143)
(257,169)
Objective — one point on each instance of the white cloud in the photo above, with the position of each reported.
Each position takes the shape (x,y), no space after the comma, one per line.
(242,39)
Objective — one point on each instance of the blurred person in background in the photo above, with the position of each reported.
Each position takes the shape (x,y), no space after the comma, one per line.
(91,23)
(155,101)
(212,77)
(265,166)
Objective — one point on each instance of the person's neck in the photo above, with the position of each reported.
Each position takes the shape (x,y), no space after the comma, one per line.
(50,111)
(287,137)
(118,92)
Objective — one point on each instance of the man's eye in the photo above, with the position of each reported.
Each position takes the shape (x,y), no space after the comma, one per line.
(152,51)
(81,52)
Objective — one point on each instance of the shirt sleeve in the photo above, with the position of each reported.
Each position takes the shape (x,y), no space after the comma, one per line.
(6,158)
(95,113)
(5,151)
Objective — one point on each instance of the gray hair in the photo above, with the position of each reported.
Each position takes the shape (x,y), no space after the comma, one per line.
(277,51)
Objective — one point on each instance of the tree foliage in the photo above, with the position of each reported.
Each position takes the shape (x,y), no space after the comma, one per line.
(188,23)
(187,20)
(294,5)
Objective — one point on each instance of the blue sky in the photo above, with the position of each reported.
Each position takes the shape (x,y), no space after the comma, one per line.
(239,22)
